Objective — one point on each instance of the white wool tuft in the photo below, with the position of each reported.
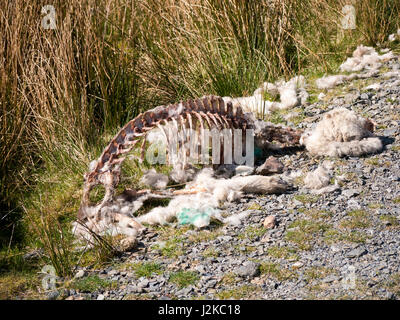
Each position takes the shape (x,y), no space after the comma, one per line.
(182,173)
(327,189)
(291,94)
(155,180)
(288,96)
(236,219)
(213,193)
(365,58)
(329,81)
(374,86)
(392,37)
(317,179)
(391,74)
(341,132)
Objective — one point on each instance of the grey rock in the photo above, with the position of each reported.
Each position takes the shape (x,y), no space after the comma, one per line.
(113,273)
(52,295)
(248,269)
(351,193)
(390,132)
(184,291)
(211,283)
(143,284)
(330,278)
(357,252)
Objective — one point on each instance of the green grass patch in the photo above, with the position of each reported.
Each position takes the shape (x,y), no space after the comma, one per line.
(184,278)
(315,273)
(210,252)
(306,198)
(333,236)
(228,279)
(356,219)
(252,233)
(283,253)
(302,232)
(243,249)
(372,161)
(22,285)
(393,284)
(242,292)
(276,271)
(375,205)
(275,117)
(254,206)
(93,283)
(147,269)
(172,248)
(316,214)
(204,235)
(392,220)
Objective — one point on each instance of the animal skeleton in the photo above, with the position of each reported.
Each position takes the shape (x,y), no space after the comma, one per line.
(208,111)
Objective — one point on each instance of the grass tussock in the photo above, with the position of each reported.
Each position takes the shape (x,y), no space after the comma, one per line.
(64,92)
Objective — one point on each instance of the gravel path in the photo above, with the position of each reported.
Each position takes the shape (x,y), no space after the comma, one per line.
(340,245)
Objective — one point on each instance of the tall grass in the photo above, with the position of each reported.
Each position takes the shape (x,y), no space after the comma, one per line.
(63,92)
